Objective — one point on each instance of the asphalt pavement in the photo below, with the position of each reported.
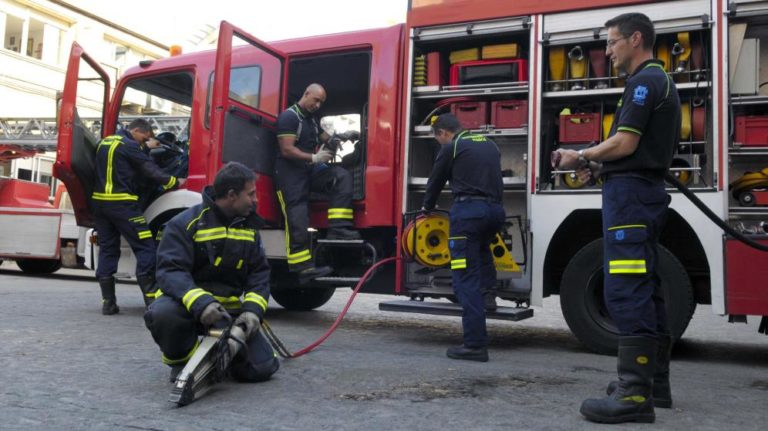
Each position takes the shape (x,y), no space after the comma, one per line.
(65,366)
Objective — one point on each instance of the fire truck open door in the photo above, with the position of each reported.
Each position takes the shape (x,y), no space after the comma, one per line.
(249,88)
(86,94)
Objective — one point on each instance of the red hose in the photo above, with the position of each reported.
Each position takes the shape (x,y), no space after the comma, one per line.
(346,307)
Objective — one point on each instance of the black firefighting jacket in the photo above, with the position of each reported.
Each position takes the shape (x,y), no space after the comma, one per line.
(120,164)
(202,259)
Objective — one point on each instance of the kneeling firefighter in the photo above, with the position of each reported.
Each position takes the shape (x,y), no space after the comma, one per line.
(211,267)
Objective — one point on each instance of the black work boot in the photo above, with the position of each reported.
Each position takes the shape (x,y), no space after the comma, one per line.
(479,354)
(662,392)
(108,299)
(632,401)
(308,274)
(343,233)
(148,287)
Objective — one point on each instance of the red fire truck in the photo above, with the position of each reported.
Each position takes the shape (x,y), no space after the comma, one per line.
(533,76)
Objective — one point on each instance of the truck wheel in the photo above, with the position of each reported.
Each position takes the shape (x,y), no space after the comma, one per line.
(581,298)
(302,299)
(39,266)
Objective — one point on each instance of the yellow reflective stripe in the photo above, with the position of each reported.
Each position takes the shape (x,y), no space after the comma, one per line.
(299,257)
(144,234)
(241,234)
(258,299)
(217,261)
(285,217)
(194,220)
(635,398)
(210,234)
(629,129)
(239,264)
(110,156)
(340,216)
(114,197)
(169,361)
(227,299)
(458,263)
(340,213)
(286,134)
(139,219)
(627,226)
(190,297)
(171,183)
(627,267)
(155,294)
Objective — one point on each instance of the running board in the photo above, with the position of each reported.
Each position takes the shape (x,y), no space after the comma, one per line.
(340,281)
(443,309)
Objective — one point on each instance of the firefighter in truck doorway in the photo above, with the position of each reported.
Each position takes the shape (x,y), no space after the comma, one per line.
(300,169)
(632,163)
(472,163)
(122,164)
(211,267)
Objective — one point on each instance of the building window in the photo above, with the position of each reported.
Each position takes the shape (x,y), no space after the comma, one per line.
(35,39)
(13,31)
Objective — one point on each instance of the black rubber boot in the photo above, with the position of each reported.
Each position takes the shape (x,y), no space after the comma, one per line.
(108,299)
(148,287)
(479,354)
(343,233)
(308,274)
(632,401)
(662,392)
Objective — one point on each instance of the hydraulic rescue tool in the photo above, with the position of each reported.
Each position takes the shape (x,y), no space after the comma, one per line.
(208,365)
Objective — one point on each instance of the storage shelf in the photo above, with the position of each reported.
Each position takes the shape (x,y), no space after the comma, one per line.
(485,132)
(509,183)
(441,92)
(748,211)
(748,100)
(748,151)
(614,91)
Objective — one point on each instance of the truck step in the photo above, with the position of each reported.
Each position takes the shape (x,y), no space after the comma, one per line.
(338,280)
(444,309)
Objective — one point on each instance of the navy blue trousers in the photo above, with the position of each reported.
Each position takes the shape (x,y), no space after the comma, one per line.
(177,333)
(473,225)
(634,214)
(294,183)
(116,219)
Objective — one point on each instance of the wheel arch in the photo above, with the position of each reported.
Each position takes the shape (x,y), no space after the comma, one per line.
(585,225)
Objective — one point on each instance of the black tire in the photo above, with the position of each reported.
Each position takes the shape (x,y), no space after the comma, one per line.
(39,266)
(302,298)
(581,298)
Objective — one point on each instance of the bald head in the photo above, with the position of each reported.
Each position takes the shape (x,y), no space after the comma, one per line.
(313,98)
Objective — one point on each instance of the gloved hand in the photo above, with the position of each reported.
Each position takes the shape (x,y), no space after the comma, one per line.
(322,156)
(213,313)
(249,322)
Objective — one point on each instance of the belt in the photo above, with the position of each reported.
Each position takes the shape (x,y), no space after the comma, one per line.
(467,198)
(652,176)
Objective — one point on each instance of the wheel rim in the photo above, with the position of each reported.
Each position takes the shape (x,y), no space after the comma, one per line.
(595,304)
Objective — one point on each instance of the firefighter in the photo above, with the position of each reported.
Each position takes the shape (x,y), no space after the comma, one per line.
(634,158)
(211,267)
(472,163)
(299,170)
(122,163)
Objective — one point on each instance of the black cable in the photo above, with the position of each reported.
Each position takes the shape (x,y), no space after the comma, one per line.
(712,216)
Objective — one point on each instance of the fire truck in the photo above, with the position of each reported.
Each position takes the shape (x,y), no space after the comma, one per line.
(533,76)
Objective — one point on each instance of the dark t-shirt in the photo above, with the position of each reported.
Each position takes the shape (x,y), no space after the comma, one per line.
(300,124)
(650,108)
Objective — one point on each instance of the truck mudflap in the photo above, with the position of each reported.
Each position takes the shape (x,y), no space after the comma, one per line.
(208,366)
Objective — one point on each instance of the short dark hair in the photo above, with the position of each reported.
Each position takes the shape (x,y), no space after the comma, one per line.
(141,124)
(232,176)
(629,23)
(447,122)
